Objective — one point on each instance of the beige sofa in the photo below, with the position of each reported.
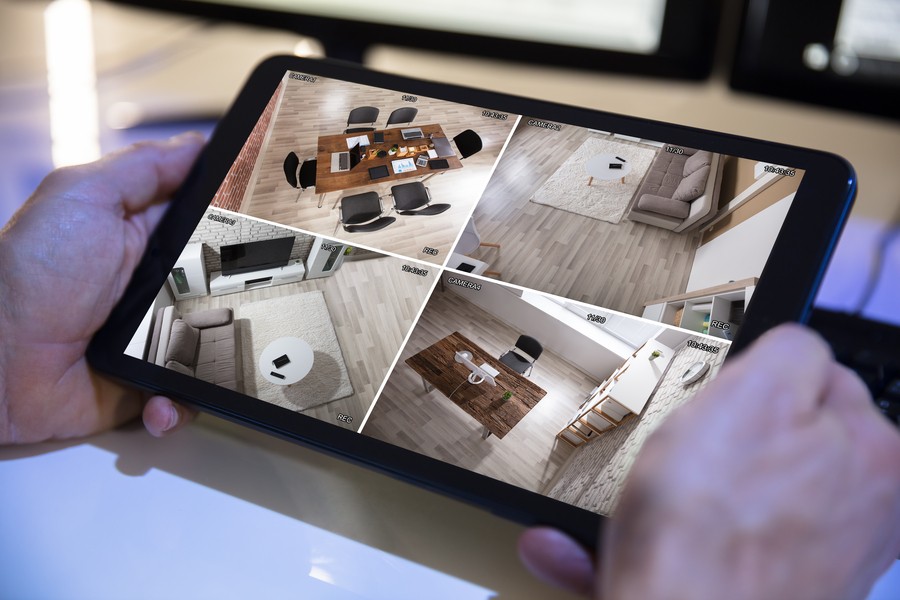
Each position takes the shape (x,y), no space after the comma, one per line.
(680,191)
(203,344)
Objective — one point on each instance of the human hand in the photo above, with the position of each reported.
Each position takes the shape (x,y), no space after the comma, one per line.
(779,480)
(67,256)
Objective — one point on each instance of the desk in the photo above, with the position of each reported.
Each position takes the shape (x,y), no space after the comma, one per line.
(358,176)
(436,365)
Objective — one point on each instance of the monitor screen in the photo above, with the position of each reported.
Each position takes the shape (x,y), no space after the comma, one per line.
(847,56)
(642,36)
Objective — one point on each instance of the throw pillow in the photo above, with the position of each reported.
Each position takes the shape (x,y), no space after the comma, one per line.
(692,186)
(697,161)
(182,343)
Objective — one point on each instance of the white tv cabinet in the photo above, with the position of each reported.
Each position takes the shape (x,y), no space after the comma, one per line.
(229,284)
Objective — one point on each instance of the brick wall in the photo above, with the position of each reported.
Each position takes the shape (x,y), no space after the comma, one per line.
(595,474)
(214,234)
(231,192)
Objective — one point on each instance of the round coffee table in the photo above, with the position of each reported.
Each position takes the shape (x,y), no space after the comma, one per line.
(598,168)
(298,352)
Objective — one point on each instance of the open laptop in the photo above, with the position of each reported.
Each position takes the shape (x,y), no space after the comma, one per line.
(344,161)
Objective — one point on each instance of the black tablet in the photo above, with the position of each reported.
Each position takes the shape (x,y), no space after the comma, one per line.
(505,330)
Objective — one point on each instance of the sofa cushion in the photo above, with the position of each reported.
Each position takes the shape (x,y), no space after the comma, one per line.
(209,318)
(182,343)
(692,186)
(664,206)
(177,366)
(697,161)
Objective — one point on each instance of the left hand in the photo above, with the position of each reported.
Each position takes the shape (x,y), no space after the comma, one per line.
(67,256)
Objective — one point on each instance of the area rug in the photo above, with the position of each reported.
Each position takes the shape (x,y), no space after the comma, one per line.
(567,189)
(304,316)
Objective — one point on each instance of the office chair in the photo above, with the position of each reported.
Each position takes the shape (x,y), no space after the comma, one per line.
(402,115)
(360,115)
(468,143)
(415,199)
(521,357)
(363,213)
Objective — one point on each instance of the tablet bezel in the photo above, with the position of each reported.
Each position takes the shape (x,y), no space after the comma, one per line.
(785,291)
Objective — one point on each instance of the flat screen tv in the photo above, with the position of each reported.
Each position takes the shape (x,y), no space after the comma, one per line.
(256,256)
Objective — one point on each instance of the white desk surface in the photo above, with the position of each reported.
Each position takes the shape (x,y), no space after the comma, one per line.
(220,511)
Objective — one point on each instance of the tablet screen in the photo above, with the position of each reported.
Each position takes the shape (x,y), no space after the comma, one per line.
(530,312)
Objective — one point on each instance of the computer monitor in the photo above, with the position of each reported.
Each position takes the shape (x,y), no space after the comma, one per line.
(653,37)
(842,53)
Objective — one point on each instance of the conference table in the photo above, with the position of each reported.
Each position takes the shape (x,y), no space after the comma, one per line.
(433,139)
(483,402)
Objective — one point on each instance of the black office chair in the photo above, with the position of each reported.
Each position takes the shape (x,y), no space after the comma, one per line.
(362,213)
(514,359)
(468,143)
(302,178)
(402,115)
(291,164)
(362,114)
(415,199)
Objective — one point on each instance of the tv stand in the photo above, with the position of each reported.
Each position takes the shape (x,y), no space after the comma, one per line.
(230,284)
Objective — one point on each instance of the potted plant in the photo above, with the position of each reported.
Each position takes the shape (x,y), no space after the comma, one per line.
(655,354)
(507,395)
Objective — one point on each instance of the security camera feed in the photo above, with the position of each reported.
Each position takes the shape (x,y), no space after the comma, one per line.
(523,298)
(301,321)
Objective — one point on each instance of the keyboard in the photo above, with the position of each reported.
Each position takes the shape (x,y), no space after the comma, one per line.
(340,161)
(870,348)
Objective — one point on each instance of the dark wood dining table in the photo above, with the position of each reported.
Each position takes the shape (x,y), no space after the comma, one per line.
(484,402)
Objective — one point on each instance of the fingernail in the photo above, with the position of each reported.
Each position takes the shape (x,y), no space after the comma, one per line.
(173,418)
(187,137)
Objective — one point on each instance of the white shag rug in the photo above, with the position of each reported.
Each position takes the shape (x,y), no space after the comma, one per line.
(567,189)
(304,316)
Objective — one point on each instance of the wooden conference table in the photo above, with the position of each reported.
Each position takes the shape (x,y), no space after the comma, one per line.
(484,402)
(326,181)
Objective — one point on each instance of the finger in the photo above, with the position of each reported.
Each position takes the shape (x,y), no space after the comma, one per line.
(162,416)
(782,378)
(131,179)
(557,559)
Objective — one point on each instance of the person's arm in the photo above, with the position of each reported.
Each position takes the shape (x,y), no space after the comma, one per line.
(66,258)
(779,480)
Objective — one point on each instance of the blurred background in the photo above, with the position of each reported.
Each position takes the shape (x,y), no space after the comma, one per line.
(79,79)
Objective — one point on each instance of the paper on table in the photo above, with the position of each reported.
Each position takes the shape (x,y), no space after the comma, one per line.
(432,154)
(404,165)
(362,140)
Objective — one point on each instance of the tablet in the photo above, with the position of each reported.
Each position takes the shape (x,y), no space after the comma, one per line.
(505,330)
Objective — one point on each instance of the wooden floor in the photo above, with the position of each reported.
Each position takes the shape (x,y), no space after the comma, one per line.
(529,455)
(615,266)
(308,111)
(372,304)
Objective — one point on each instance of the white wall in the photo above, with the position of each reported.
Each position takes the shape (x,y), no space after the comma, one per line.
(740,252)
(555,335)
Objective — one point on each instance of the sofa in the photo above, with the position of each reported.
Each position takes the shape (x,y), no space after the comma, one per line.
(680,190)
(203,344)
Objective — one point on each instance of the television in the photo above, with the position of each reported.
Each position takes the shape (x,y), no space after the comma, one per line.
(256,256)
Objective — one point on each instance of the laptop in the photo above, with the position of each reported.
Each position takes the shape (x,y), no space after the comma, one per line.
(413,133)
